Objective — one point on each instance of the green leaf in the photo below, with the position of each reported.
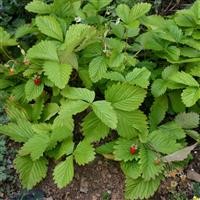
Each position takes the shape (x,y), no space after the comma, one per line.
(59,74)
(45,50)
(36,109)
(23,30)
(147,164)
(132,124)
(105,112)
(106,148)
(30,172)
(5,39)
(188,120)
(158,111)
(35,146)
(114,76)
(139,77)
(49,26)
(97,68)
(39,7)
(158,87)
(93,128)
(64,172)
(123,11)
(5,84)
(20,132)
(33,91)
(70,107)
(84,153)
(78,36)
(190,96)
(140,189)
(125,96)
(183,78)
(49,111)
(138,10)
(131,169)
(79,94)
(122,150)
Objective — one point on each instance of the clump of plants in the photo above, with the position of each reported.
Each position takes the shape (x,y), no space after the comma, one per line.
(130,74)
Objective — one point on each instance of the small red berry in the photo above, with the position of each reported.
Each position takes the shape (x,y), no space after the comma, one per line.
(133,150)
(37,81)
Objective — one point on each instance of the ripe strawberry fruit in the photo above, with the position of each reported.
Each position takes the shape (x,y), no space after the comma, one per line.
(133,150)
(37,81)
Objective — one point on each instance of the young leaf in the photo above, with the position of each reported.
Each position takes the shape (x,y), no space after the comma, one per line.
(30,172)
(33,91)
(125,96)
(93,128)
(84,153)
(105,112)
(79,94)
(140,189)
(64,172)
(97,68)
(59,74)
(49,26)
(45,50)
(35,146)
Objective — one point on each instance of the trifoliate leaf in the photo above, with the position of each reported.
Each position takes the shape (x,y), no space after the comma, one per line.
(64,172)
(93,128)
(37,6)
(35,146)
(105,112)
(59,74)
(125,96)
(122,150)
(84,153)
(131,169)
(158,111)
(45,50)
(190,96)
(79,94)
(30,172)
(158,87)
(148,165)
(49,26)
(188,120)
(140,189)
(131,124)
(97,68)
(139,77)
(33,91)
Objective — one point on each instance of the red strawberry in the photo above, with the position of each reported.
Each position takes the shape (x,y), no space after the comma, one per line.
(37,81)
(133,150)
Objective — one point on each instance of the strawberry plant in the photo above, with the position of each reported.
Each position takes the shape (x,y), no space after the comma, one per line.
(100,69)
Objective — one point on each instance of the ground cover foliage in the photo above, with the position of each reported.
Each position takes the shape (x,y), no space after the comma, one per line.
(126,74)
